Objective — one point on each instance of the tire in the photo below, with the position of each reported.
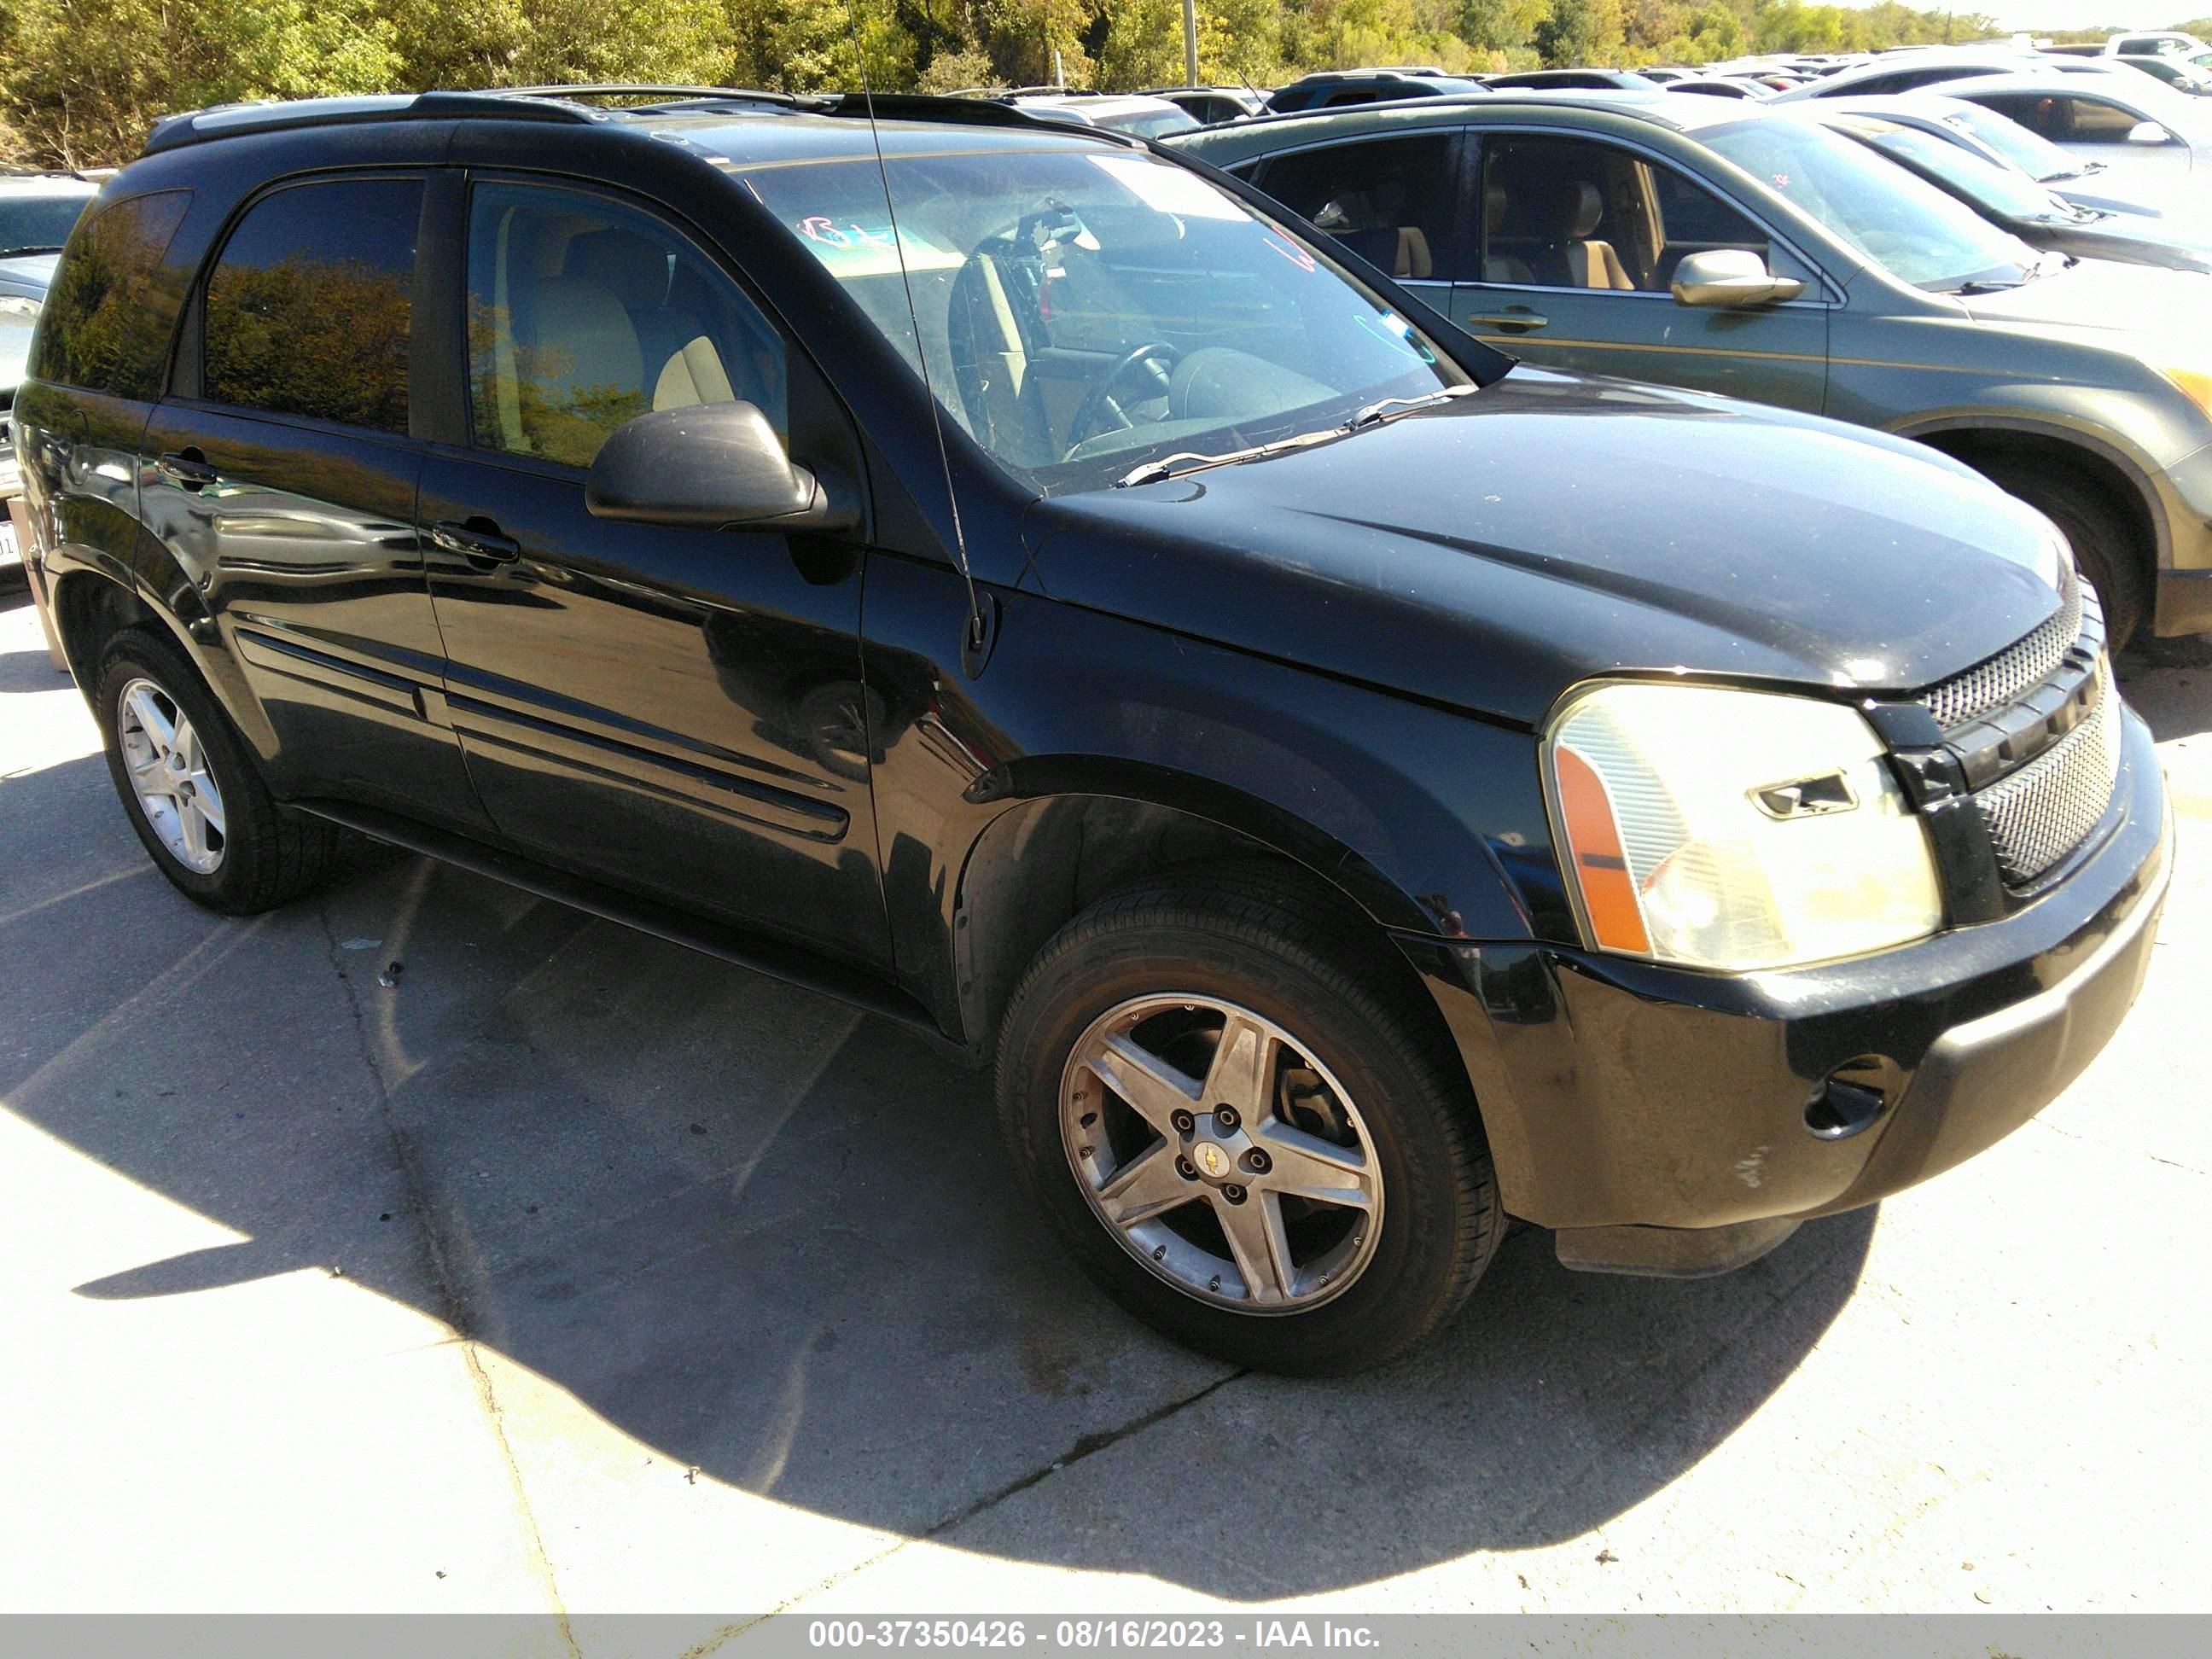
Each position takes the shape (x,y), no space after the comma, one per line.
(1359,1062)
(2103,549)
(250,853)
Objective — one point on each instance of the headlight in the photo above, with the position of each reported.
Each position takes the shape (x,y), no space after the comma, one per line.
(1733,830)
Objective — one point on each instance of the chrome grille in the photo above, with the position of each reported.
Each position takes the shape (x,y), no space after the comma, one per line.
(2040,813)
(1992,684)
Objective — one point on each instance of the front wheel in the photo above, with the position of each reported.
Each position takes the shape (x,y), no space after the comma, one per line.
(1236,1117)
(2104,551)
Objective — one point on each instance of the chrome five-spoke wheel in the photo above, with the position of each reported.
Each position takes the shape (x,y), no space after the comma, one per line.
(1221,1153)
(169,774)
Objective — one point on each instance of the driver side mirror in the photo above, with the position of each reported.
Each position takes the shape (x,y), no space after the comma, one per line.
(2148,132)
(1731,278)
(711,466)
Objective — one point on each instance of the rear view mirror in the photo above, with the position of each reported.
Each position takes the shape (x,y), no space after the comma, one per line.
(2148,132)
(710,466)
(1731,278)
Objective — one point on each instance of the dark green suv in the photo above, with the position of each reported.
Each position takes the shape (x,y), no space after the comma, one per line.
(1747,251)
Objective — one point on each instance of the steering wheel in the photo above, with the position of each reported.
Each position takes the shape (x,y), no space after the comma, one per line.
(1101,393)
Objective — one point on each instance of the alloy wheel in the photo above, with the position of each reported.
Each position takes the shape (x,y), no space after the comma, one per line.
(169,774)
(1221,1153)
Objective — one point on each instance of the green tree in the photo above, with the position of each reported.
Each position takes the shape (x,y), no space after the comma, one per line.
(1580,32)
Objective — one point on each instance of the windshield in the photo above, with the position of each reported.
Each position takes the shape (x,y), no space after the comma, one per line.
(1084,311)
(1998,190)
(2031,152)
(1151,123)
(39,224)
(1904,224)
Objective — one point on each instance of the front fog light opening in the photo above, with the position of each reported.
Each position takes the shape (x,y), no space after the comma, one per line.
(1851,1099)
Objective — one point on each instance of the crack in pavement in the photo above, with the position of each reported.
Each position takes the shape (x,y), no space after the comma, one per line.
(1089,1445)
(453,1305)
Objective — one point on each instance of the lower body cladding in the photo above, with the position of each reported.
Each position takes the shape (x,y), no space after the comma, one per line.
(1671,1123)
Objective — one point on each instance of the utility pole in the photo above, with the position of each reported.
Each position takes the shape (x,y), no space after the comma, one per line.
(1190,43)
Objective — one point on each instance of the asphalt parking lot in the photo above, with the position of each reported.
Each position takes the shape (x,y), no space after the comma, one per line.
(558,1270)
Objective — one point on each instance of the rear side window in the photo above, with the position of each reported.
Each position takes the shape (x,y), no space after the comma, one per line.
(1389,200)
(108,320)
(308,307)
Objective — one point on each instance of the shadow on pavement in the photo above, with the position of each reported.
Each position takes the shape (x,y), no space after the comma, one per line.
(778,1242)
(2169,684)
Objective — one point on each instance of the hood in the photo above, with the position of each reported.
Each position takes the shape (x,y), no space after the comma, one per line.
(15,350)
(2134,241)
(31,274)
(2108,303)
(1490,554)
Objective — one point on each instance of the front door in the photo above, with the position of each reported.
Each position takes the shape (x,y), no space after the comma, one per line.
(1580,240)
(281,475)
(677,711)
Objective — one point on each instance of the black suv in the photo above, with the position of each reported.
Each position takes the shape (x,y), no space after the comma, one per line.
(1355,789)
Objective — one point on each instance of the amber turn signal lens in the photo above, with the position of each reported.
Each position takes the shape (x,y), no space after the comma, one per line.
(1616,919)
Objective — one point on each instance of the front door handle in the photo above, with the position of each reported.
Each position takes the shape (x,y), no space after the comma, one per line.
(187,469)
(1515,319)
(478,540)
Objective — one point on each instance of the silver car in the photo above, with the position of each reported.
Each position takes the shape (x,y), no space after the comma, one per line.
(2154,141)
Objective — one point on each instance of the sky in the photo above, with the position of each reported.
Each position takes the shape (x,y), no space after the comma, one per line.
(2043,16)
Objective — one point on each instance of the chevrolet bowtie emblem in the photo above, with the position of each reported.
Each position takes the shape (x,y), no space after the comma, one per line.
(1212,1159)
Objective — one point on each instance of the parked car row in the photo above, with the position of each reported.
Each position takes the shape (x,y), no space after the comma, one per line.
(38,210)
(1237,639)
(1822,257)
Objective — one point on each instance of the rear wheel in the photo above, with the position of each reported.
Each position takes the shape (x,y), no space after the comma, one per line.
(2104,549)
(1231,1108)
(190,789)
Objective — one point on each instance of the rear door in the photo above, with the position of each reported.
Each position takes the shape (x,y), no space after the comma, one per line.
(1578,242)
(281,471)
(677,711)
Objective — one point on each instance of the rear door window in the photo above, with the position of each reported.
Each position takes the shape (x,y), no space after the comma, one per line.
(309,307)
(1389,200)
(107,322)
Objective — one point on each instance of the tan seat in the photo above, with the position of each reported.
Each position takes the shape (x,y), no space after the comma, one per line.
(1579,259)
(577,355)
(1413,260)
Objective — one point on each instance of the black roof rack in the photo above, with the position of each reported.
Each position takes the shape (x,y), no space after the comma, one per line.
(668,93)
(223,120)
(565,104)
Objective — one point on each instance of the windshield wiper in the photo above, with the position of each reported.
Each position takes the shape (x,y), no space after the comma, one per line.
(1389,409)
(1375,413)
(18,252)
(1172,466)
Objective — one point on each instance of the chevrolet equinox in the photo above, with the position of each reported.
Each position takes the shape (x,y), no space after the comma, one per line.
(1352,789)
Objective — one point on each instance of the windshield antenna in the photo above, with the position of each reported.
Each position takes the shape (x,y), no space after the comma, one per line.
(975,634)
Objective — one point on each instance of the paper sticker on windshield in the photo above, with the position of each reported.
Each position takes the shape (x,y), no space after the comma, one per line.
(852,248)
(1168,188)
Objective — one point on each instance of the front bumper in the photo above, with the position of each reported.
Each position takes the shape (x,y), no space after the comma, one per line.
(1623,1096)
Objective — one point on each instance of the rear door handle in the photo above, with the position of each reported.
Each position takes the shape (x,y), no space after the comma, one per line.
(187,469)
(1517,320)
(478,540)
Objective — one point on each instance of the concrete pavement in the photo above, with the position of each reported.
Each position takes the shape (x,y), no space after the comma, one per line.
(568,1272)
